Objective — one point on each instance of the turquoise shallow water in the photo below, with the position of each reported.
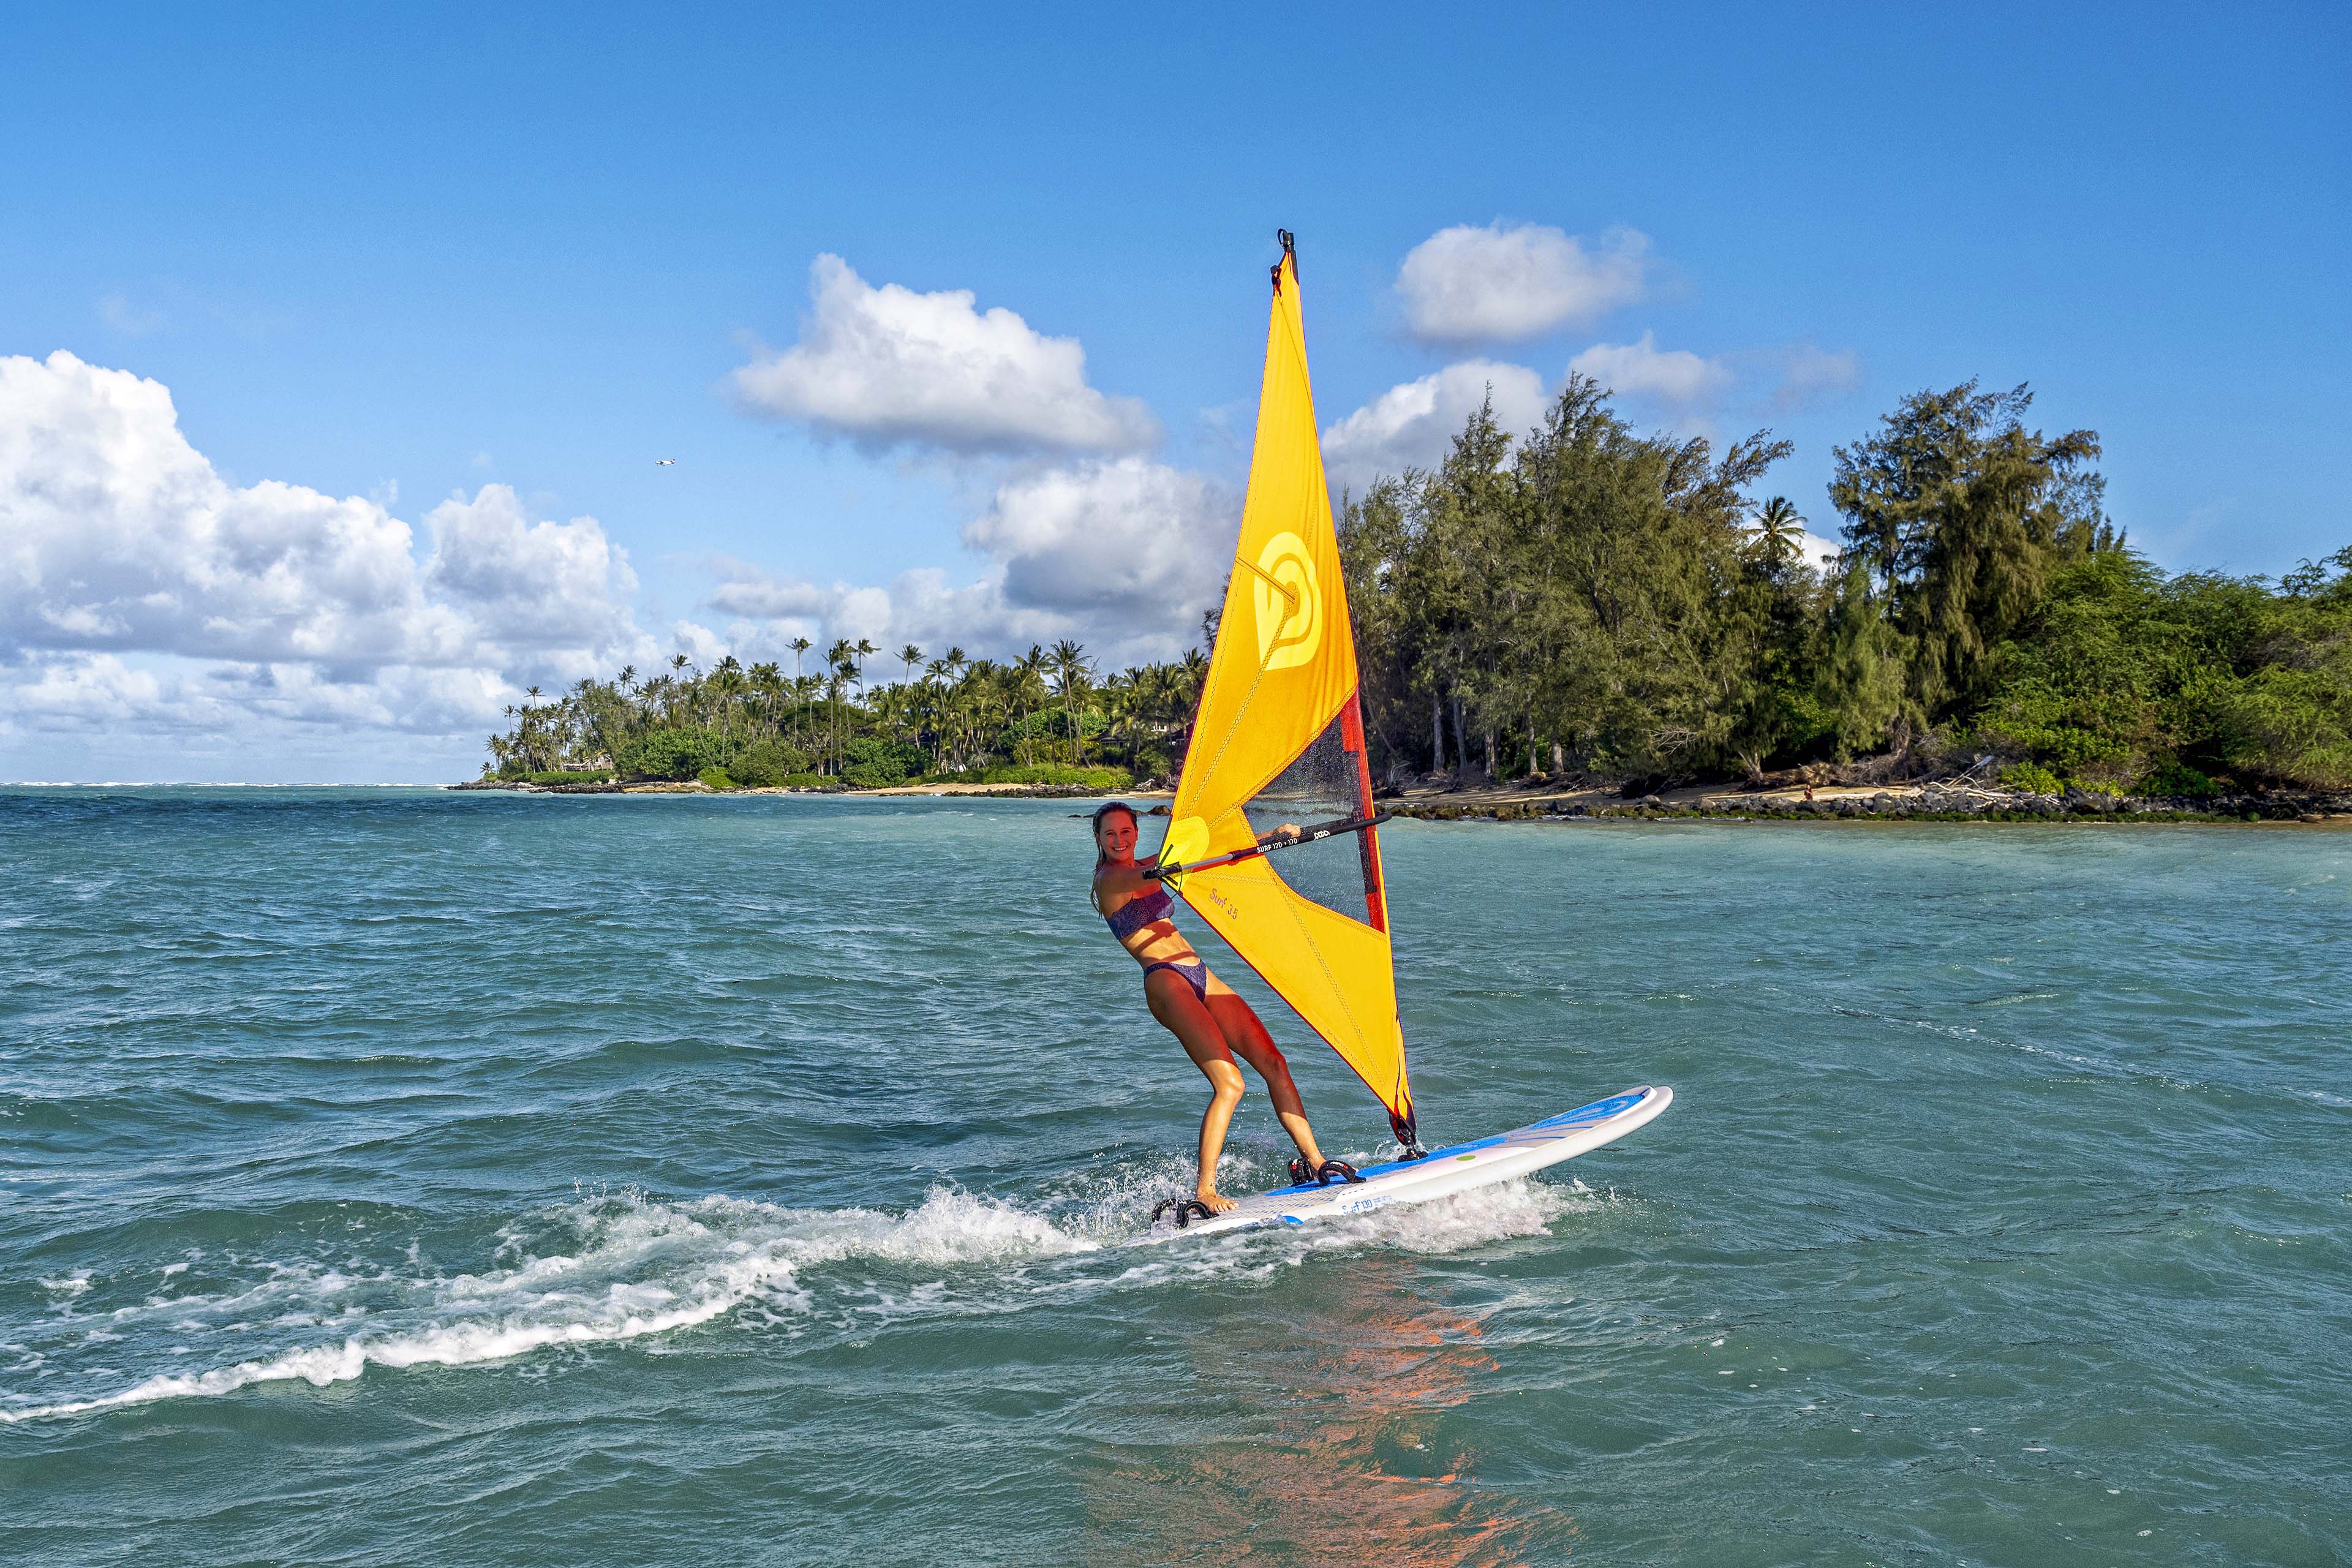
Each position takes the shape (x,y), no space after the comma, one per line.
(397,1177)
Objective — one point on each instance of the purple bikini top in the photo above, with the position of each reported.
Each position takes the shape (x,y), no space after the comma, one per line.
(1140,911)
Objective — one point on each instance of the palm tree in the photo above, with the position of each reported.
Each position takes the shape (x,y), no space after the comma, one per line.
(892,704)
(1071,668)
(1779,532)
(953,662)
(982,697)
(768,683)
(1137,706)
(1027,695)
(799,647)
(726,685)
(936,695)
(1122,695)
(804,694)
(1191,679)
(864,651)
(958,710)
(841,660)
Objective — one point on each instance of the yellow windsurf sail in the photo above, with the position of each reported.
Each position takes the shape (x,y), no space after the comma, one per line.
(1279,740)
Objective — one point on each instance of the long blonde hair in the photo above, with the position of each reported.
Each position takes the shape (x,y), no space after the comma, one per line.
(1094,826)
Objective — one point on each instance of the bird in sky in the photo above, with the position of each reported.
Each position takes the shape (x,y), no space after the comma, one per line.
(664,462)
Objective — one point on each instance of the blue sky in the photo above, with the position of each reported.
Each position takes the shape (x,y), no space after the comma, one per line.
(395,258)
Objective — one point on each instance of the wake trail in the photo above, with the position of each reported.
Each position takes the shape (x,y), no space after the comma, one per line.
(635,1266)
(614,1268)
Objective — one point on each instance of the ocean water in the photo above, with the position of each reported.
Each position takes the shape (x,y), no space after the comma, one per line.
(395,1177)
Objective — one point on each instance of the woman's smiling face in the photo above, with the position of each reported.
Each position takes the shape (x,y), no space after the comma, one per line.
(1115,835)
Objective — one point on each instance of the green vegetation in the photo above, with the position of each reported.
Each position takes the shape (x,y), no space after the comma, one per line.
(1589,600)
(768,763)
(2032,777)
(1042,719)
(680,754)
(562,776)
(1044,774)
(2128,677)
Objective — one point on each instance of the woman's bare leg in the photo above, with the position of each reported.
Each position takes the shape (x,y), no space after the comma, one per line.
(1172,1001)
(1246,1036)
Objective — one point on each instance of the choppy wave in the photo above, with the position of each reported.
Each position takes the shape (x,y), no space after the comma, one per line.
(635,1267)
(631,1265)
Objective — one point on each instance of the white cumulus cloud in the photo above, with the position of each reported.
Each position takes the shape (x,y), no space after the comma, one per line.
(1809,375)
(1817,550)
(1675,378)
(1122,554)
(749,592)
(1414,425)
(138,586)
(528,585)
(1127,540)
(1496,284)
(888,366)
(1694,393)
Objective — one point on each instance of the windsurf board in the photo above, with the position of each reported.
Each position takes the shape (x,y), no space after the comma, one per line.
(1441,1172)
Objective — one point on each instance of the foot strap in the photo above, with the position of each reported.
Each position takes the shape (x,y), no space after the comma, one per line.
(1185,1209)
(1332,1171)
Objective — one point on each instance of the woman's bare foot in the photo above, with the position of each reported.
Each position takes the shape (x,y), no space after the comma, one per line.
(1214,1202)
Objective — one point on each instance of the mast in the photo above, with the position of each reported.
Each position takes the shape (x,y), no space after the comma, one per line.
(1279,738)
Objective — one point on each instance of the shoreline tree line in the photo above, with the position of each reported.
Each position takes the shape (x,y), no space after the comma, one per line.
(1585,600)
(1042,717)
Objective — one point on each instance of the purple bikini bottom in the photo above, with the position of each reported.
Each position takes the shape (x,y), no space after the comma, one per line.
(1195,973)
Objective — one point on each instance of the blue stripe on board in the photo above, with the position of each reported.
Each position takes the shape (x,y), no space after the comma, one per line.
(1599,1110)
(1583,1115)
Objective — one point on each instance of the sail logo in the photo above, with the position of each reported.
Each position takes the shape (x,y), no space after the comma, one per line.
(1288,601)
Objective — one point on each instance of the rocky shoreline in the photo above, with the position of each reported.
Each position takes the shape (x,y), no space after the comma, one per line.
(1001,791)
(1533,802)
(1914,803)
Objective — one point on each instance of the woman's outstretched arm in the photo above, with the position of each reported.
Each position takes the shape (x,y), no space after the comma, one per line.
(1125,880)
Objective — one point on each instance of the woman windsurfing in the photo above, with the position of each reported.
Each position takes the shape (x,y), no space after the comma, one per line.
(1208,1017)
